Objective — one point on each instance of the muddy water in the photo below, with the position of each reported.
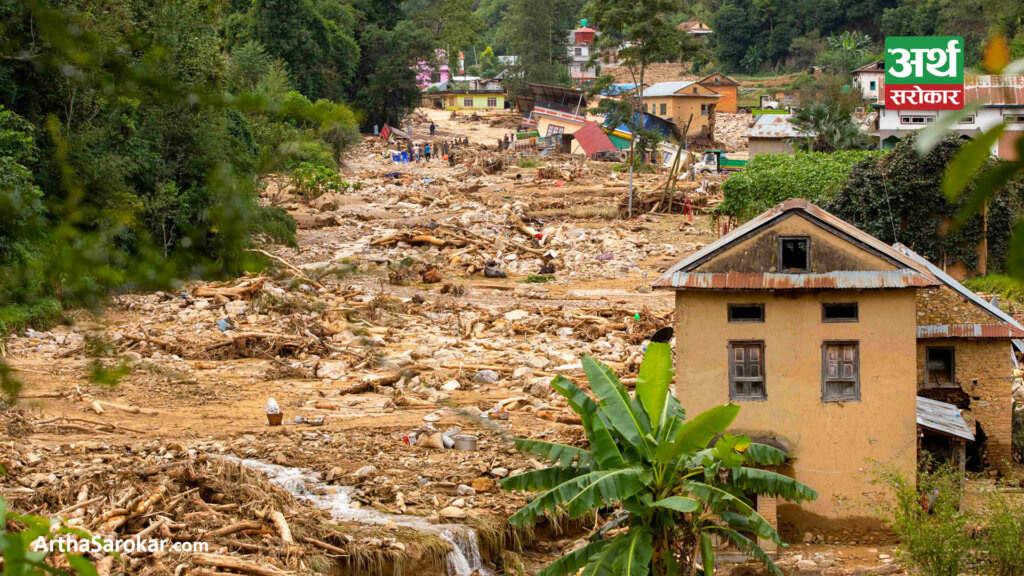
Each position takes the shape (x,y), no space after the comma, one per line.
(464,559)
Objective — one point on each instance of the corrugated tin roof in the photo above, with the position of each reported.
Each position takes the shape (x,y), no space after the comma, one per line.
(844,280)
(995,89)
(773,126)
(672,89)
(948,280)
(726,81)
(672,278)
(942,418)
(876,66)
(592,139)
(969,331)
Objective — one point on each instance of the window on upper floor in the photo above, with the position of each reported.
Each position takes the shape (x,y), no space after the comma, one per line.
(873,85)
(694,89)
(579,51)
(794,253)
(969,119)
(663,108)
(840,371)
(917,119)
(1013,118)
(939,366)
(836,312)
(746,312)
(705,109)
(746,370)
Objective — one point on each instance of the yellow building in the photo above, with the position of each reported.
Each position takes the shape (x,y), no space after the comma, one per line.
(809,324)
(681,101)
(472,95)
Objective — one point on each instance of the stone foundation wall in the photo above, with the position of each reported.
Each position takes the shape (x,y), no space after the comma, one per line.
(983,370)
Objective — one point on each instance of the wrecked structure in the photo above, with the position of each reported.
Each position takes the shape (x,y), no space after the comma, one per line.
(966,357)
(822,333)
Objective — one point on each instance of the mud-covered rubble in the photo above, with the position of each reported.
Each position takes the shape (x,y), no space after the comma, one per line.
(732,131)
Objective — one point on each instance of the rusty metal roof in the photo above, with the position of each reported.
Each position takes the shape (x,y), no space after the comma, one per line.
(942,418)
(995,89)
(969,331)
(870,280)
(911,274)
(773,126)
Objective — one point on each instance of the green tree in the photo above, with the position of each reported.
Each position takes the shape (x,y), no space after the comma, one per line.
(898,198)
(845,52)
(536,32)
(320,54)
(642,34)
(451,25)
(826,124)
(674,484)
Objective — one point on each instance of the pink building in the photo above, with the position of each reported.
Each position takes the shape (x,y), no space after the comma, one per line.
(428,73)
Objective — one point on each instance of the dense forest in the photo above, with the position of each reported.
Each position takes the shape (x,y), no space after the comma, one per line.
(136,136)
(770,36)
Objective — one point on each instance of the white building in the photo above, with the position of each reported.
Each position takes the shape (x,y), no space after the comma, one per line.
(1003,101)
(870,78)
(581,43)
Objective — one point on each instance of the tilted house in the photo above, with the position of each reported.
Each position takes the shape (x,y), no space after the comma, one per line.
(965,357)
(810,325)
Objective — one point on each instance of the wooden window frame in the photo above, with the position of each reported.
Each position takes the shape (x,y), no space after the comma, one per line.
(492,102)
(856,312)
(952,368)
(733,396)
(807,261)
(663,108)
(467,102)
(824,371)
(730,319)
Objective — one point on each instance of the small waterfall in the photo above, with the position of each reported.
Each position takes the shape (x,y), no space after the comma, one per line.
(464,559)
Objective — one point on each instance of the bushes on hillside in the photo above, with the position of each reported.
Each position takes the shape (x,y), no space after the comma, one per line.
(771,178)
(898,197)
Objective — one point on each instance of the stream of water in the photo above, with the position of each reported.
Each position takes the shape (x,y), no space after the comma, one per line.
(463,560)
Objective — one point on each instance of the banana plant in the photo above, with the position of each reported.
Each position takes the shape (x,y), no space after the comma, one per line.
(669,484)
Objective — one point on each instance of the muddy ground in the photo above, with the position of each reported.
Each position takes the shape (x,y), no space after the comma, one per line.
(381,332)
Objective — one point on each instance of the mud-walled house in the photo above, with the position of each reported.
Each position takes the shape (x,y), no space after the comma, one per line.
(811,326)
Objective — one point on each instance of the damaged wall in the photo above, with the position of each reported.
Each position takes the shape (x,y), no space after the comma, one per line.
(983,373)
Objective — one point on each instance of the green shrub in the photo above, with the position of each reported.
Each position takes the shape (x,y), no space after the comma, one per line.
(528,163)
(41,315)
(313,180)
(1006,287)
(936,542)
(538,278)
(769,179)
(899,197)
(1003,536)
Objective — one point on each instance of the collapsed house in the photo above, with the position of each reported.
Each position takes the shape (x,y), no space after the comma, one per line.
(822,334)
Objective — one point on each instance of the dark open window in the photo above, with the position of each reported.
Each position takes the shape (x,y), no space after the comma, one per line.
(846,312)
(939,367)
(746,371)
(746,312)
(795,253)
(840,371)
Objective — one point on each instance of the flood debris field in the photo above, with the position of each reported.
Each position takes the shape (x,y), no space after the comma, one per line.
(410,337)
